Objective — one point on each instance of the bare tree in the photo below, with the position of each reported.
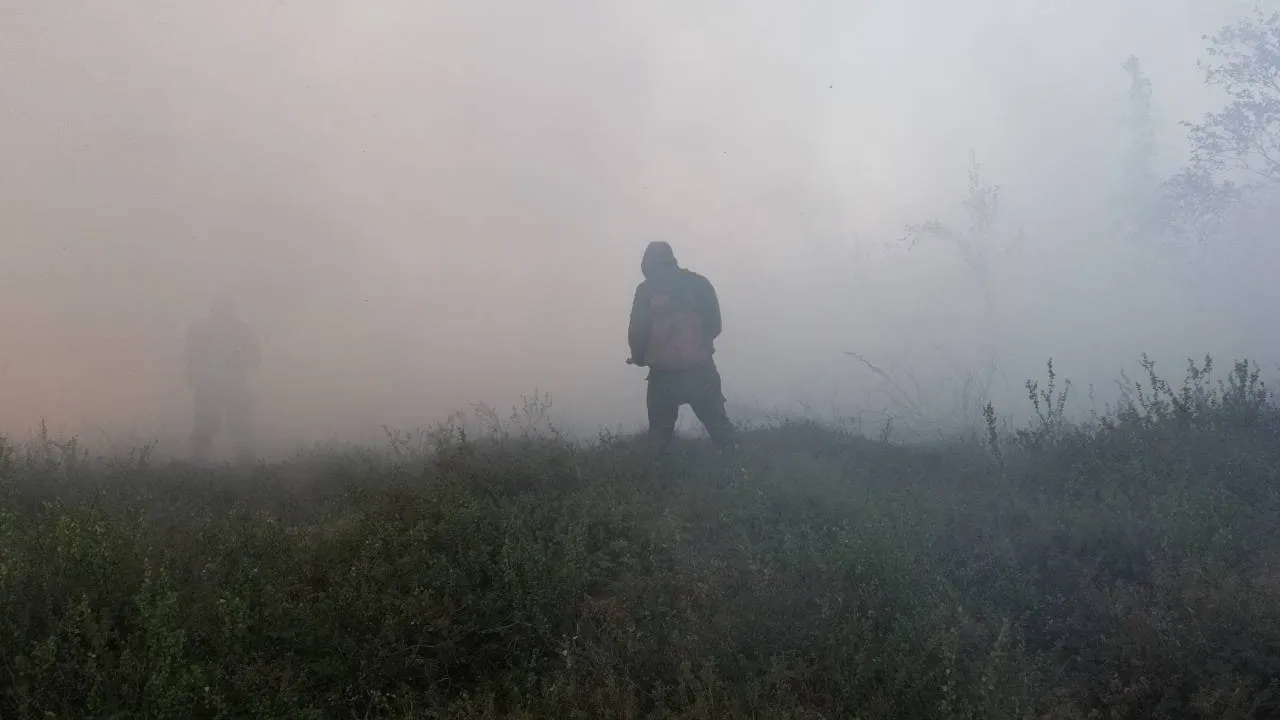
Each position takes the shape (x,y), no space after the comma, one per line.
(979,245)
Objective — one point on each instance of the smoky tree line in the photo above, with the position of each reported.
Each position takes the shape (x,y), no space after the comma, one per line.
(1227,190)
(1234,168)
(1231,175)
(1233,165)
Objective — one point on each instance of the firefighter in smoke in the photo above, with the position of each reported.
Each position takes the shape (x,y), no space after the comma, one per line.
(221,351)
(675,319)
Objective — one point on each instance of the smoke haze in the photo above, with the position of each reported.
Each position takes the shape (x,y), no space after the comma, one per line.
(419,206)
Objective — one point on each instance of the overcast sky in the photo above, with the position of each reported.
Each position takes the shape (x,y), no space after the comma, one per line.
(421,205)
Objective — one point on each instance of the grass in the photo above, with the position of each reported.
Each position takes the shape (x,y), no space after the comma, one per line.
(1127,567)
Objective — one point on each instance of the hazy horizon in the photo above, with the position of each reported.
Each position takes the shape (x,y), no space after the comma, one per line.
(420,206)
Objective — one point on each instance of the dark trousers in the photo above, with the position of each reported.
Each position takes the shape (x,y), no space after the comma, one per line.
(228,406)
(700,389)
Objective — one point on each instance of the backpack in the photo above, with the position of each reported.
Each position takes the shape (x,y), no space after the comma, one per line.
(677,340)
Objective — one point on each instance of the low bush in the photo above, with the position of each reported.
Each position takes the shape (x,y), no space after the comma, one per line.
(1129,567)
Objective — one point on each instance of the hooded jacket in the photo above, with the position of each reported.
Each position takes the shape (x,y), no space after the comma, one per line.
(675,315)
(221,349)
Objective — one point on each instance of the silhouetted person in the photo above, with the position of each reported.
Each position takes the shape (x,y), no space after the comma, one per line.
(221,349)
(675,319)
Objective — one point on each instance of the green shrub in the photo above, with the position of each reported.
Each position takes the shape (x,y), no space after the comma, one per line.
(1129,567)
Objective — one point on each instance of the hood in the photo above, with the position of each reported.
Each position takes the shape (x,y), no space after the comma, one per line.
(658,257)
(223,307)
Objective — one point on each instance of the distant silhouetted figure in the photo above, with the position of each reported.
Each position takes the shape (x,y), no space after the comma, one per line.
(675,319)
(221,349)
